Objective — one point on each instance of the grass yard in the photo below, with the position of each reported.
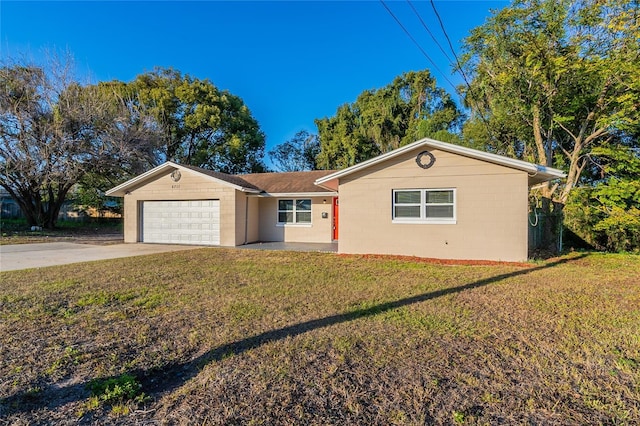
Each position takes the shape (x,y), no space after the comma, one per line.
(97,231)
(223,336)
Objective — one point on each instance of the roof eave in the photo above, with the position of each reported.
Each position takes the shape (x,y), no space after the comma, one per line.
(297,194)
(122,189)
(544,174)
(331,185)
(456,149)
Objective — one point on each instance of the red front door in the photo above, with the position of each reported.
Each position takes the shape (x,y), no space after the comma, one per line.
(335,218)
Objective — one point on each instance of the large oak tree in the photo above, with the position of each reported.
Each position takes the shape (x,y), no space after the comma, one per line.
(201,125)
(54,131)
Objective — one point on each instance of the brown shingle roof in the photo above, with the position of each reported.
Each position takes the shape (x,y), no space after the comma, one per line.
(286,182)
(233,179)
(274,183)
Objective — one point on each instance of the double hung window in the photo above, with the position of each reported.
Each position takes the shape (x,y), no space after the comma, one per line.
(295,211)
(424,205)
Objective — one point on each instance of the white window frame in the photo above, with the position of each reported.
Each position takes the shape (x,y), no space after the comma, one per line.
(423,207)
(295,212)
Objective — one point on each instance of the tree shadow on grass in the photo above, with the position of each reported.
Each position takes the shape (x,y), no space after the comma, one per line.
(159,381)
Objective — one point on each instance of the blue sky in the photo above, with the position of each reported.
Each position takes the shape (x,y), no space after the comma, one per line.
(291,62)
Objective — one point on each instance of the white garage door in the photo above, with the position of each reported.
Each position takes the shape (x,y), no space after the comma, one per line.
(181,222)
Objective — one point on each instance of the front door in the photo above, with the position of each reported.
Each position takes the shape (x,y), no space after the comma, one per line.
(335,218)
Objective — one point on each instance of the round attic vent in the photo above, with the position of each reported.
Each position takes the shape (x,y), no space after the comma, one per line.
(425,159)
(176,175)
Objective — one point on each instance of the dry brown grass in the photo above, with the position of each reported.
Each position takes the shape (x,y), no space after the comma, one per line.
(222,336)
(104,232)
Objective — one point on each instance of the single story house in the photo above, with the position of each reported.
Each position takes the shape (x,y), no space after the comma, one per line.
(426,199)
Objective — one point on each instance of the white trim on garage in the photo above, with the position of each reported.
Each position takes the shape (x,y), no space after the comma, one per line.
(180,222)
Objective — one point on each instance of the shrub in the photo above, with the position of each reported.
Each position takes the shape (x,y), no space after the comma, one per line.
(117,390)
(607,215)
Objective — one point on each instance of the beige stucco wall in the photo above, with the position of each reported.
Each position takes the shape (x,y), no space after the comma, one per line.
(247,218)
(254,220)
(192,186)
(320,230)
(491,206)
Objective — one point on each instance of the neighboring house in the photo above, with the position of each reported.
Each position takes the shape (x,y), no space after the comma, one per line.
(9,209)
(427,199)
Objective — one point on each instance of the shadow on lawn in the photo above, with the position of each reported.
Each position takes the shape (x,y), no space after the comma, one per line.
(158,381)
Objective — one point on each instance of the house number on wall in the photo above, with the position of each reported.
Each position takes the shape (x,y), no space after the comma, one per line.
(425,159)
(175,176)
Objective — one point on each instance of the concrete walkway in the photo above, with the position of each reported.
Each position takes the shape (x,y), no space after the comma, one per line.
(24,256)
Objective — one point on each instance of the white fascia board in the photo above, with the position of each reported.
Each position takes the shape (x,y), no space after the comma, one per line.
(456,149)
(295,194)
(497,159)
(367,163)
(120,190)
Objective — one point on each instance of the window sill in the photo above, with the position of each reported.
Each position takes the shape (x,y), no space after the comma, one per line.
(425,222)
(293,225)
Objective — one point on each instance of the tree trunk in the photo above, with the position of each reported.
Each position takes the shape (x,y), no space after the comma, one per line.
(28,211)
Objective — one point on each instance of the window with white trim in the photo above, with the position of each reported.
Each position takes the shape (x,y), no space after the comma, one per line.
(424,205)
(294,211)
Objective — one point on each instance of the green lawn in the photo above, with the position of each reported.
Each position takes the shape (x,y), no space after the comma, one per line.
(223,336)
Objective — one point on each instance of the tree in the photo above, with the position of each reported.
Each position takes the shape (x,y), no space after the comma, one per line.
(552,80)
(53,131)
(296,154)
(201,125)
(408,109)
(607,213)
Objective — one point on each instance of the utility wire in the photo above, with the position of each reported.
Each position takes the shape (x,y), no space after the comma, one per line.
(418,45)
(455,55)
(429,31)
(461,70)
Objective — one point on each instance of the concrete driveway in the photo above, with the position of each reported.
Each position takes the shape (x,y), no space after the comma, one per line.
(25,256)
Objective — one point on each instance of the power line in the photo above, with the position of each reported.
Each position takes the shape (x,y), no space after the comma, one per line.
(418,45)
(455,55)
(459,66)
(462,73)
(429,31)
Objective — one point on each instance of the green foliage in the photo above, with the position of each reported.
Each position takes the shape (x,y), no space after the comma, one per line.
(90,193)
(69,356)
(607,213)
(296,154)
(201,125)
(408,109)
(117,390)
(552,80)
(458,417)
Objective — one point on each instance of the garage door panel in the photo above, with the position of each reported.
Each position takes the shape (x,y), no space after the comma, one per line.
(181,222)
